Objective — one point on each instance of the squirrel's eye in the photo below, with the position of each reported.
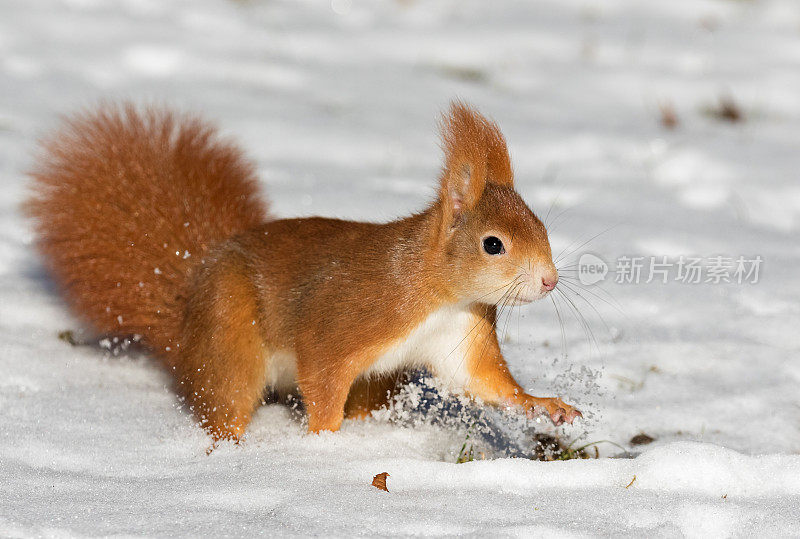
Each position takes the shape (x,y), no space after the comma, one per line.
(493,245)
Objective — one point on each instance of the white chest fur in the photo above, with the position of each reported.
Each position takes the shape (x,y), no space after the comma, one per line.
(438,343)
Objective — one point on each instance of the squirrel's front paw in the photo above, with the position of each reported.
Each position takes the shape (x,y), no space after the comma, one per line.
(558,410)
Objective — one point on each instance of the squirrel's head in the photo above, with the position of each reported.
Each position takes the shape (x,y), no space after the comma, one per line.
(495,249)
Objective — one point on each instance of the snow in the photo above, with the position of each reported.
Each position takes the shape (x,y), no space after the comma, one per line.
(337,104)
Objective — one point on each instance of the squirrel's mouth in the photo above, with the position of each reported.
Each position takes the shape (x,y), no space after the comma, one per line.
(524,300)
(531,290)
(529,297)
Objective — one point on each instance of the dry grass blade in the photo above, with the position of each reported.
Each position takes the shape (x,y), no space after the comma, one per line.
(68,336)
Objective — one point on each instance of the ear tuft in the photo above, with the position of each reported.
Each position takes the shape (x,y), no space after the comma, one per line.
(475,153)
(468,136)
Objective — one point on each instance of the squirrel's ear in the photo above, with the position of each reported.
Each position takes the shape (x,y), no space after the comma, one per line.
(464,175)
(462,187)
(474,153)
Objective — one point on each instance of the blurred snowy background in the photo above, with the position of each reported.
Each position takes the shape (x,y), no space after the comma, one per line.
(640,128)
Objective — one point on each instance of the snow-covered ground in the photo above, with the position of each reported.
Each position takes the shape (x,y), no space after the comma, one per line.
(337,103)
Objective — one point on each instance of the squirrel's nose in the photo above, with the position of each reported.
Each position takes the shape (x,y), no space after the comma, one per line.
(549,282)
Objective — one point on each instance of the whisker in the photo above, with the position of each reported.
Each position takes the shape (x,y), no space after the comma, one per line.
(578,294)
(508,316)
(482,318)
(581,320)
(489,333)
(497,289)
(552,225)
(561,254)
(561,324)
(610,301)
(552,205)
(480,322)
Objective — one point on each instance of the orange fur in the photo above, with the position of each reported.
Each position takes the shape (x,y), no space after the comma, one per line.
(367,395)
(121,198)
(492,381)
(321,304)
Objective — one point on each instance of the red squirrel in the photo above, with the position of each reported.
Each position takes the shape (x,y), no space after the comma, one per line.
(153,226)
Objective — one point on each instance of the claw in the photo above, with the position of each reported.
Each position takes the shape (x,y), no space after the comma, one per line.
(570,417)
(559,416)
(558,412)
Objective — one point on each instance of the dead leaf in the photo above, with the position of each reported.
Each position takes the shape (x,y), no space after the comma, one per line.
(726,110)
(379,481)
(642,439)
(669,118)
(729,110)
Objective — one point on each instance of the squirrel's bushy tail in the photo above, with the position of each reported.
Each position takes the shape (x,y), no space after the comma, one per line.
(125,202)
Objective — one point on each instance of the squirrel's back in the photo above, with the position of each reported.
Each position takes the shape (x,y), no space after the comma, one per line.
(126,201)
